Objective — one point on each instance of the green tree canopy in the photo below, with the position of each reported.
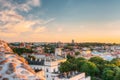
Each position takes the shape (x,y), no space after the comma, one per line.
(65,67)
(20,51)
(97,60)
(116,61)
(117,76)
(89,68)
(108,74)
(77,53)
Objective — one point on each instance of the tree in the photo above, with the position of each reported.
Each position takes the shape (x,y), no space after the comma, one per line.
(71,64)
(70,57)
(109,66)
(77,53)
(49,48)
(97,60)
(108,74)
(96,67)
(116,62)
(20,51)
(100,63)
(81,58)
(65,67)
(89,68)
(117,76)
(80,63)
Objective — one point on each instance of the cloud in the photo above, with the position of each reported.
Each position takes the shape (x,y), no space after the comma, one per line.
(36,2)
(42,23)
(13,24)
(21,5)
(50,20)
(9,16)
(21,25)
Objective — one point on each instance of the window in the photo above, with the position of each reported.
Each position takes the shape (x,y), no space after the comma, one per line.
(47,76)
(46,70)
(54,70)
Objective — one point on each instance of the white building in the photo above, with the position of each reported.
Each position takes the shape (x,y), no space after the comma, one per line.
(58,51)
(50,67)
(75,76)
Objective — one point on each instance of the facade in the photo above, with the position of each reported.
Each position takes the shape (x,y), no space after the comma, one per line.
(75,76)
(50,66)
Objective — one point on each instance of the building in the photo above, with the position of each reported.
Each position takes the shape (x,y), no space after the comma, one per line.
(50,66)
(74,76)
(73,42)
(58,51)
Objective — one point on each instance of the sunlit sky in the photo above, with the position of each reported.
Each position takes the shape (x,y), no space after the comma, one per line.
(60,20)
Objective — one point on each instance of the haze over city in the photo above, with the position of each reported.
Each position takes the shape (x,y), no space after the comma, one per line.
(60,20)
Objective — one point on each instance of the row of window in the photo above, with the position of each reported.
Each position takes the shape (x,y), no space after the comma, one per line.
(48,77)
(48,70)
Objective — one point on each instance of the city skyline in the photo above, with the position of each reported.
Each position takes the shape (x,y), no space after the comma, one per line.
(60,20)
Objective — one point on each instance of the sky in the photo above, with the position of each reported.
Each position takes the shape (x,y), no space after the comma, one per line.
(60,20)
